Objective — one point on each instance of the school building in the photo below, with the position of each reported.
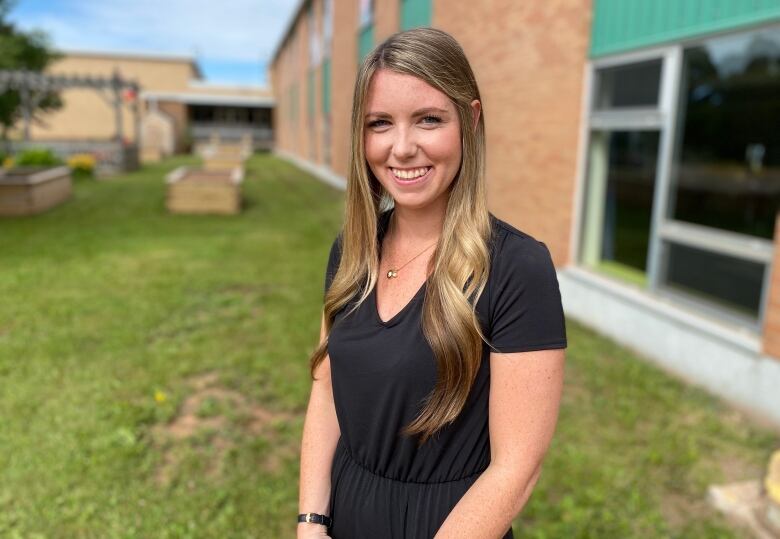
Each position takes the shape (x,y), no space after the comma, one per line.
(177,108)
(637,138)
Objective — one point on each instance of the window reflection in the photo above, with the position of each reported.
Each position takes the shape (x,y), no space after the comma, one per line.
(725,281)
(727,169)
(621,182)
(632,85)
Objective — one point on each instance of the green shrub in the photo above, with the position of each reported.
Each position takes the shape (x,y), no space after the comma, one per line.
(41,157)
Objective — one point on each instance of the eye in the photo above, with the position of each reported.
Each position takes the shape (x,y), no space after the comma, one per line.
(435,119)
(375,123)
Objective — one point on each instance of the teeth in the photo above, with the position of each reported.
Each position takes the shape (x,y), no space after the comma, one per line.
(410,174)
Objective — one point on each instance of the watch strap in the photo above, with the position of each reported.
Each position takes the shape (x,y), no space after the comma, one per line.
(315,518)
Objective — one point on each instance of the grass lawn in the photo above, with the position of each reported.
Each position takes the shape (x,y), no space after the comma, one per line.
(153,380)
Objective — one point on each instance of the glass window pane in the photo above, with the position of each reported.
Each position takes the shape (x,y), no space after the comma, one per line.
(727,164)
(725,281)
(619,202)
(632,85)
(365,12)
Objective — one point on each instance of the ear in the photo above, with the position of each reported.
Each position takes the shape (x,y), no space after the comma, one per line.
(476,109)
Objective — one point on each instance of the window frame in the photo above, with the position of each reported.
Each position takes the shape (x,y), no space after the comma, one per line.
(663,229)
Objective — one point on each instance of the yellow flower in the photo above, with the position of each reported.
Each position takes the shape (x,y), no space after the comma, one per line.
(159,396)
(8,162)
(82,162)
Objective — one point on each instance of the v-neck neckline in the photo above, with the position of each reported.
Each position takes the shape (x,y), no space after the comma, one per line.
(396,317)
(383,224)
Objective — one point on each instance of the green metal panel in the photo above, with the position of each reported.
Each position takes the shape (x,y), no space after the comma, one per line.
(365,41)
(415,13)
(310,91)
(621,25)
(326,86)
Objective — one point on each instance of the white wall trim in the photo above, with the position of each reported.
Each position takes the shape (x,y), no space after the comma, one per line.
(724,359)
(321,172)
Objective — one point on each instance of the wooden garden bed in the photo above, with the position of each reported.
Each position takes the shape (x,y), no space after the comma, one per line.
(224,157)
(32,190)
(194,190)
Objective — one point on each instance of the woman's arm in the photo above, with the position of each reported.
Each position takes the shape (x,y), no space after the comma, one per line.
(525,394)
(320,435)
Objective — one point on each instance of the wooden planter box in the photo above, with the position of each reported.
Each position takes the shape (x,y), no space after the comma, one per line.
(224,156)
(32,190)
(192,190)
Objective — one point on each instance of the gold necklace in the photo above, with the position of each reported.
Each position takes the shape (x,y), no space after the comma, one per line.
(394,272)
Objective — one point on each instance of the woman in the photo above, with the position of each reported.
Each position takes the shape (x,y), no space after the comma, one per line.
(440,366)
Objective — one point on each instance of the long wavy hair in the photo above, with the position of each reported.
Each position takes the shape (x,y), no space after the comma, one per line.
(461,260)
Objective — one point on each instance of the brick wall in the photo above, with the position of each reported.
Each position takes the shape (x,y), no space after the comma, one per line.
(344,66)
(772,319)
(387,18)
(317,120)
(529,59)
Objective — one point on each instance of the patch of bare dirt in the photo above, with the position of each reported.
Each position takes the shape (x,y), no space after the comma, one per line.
(678,509)
(230,417)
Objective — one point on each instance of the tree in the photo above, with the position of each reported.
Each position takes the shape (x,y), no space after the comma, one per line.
(22,51)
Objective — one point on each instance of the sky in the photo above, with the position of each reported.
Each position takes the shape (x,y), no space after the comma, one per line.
(231,40)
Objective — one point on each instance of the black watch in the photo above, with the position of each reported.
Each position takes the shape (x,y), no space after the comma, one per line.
(315,518)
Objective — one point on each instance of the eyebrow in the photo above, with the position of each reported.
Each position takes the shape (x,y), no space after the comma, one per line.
(418,112)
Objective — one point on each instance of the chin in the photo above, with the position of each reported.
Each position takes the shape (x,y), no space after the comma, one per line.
(405,200)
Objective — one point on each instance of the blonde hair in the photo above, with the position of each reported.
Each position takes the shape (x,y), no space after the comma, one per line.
(460,261)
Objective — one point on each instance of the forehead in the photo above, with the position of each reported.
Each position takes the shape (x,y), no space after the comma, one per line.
(390,92)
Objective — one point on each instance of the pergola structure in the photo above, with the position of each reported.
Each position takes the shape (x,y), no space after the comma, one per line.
(33,87)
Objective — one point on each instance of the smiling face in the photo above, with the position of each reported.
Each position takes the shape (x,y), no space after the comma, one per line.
(412,138)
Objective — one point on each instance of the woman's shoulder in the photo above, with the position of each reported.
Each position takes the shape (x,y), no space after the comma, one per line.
(510,243)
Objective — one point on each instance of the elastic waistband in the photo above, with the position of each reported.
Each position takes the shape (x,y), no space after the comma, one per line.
(352,459)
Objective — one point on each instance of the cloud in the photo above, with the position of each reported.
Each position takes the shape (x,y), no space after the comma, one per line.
(230,30)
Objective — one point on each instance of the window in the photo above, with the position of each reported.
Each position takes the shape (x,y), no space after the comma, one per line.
(622,167)
(310,93)
(620,202)
(326,87)
(632,85)
(365,28)
(683,171)
(327,27)
(294,103)
(366,13)
(315,44)
(727,167)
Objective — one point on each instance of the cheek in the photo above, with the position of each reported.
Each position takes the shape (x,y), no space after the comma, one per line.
(445,147)
(373,147)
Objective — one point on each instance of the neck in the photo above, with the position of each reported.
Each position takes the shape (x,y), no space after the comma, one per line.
(418,226)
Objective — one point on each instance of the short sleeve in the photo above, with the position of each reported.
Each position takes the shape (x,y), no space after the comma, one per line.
(526,312)
(333,262)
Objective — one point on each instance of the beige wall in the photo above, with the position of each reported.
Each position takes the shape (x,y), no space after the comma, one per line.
(85,114)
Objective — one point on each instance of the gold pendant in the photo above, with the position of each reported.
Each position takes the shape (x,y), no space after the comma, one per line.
(391,274)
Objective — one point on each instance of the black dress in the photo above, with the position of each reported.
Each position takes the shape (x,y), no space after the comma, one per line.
(382,485)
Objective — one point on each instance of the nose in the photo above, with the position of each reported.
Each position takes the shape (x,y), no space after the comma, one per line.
(404,144)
